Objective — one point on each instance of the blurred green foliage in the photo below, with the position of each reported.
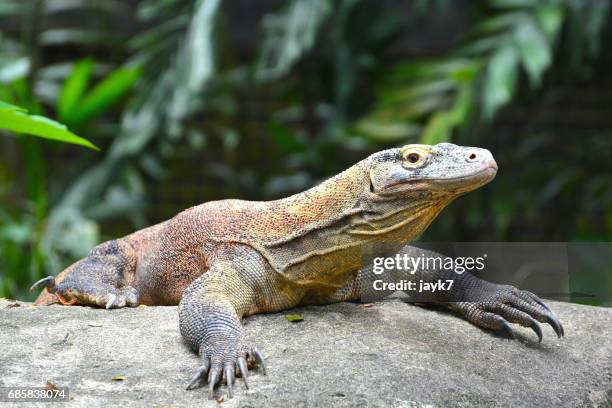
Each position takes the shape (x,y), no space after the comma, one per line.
(16,119)
(150,80)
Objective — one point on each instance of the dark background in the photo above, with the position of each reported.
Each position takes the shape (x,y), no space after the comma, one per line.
(299,90)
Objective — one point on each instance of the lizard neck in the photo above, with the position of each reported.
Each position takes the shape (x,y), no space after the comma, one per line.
(336,218)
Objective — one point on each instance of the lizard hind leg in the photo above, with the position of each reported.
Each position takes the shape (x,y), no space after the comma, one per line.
(99,279)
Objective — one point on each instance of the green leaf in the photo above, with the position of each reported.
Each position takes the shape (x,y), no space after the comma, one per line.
(199,56)
(195,60)
(8,106)
(465,75)
(500,80)
(8,7)
(158,33)
(152,9)
(73,89)
(533,50)
(294,318)
(17,120)
(463,105)
(288,35)
(440,125)
(427,69)
(438,128)
(15,69)
(550,19)
(285,137)
(502,4)
(483,45)
(387,131)
(108,6)
(501,22)
(105,94)
(421,89)
(414,109)
(63,36)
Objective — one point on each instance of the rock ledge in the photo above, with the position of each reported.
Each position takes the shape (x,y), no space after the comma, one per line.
(388,355)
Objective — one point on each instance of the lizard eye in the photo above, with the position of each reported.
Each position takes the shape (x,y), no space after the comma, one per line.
(415,155)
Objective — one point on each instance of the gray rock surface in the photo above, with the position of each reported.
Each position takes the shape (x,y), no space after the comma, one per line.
(388,355)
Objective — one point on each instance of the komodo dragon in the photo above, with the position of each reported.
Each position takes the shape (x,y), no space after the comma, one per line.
(223,260)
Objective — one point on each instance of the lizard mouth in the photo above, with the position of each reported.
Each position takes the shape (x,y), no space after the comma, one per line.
(459,185)
(471,181)
(452,185)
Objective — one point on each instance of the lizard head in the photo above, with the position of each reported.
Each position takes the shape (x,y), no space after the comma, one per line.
(409,186)
(442,170)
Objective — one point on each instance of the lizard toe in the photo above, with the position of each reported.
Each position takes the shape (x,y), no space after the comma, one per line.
(200,374)
(127,296)
(533,306)
(131,296)
(243,370)
(256,356)
(110,302)
(228,375)
(104,296)
(491,321)
(223,362)
(510,305)
(213,378)
(46,282)
(514,315)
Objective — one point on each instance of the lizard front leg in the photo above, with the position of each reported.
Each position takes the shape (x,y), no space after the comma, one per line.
(485,304)
(209,318)
(238,283)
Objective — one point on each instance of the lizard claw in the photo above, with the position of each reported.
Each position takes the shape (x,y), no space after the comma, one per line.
(510,305)
(195,380)
(125,297)
(213,377)
(528,296)
(229,379)
(47,282)
(555,324)
(536,328)
(244,370)
(223,362)
(260,360)
(71,291)
(111,300)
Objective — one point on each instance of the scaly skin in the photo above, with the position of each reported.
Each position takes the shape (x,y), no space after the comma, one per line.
(223,260)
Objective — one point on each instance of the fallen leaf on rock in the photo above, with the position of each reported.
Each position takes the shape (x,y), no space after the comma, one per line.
(142,306)
(294,318)
(13,305)
(50,386)
(94,324)
(119,378)
(366,305)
